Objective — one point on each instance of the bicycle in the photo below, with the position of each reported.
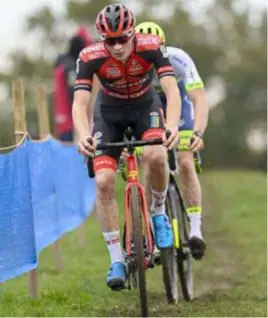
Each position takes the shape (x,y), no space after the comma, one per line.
(177,261)
(138,239)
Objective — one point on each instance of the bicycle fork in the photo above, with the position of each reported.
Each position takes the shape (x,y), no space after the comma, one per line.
(174,217)
(144,215)
(132,179)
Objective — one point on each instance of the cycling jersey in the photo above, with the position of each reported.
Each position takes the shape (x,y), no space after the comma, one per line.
(188,79)
(124,81)
(184,68)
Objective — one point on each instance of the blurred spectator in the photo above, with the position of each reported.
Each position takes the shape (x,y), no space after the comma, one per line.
(64,76)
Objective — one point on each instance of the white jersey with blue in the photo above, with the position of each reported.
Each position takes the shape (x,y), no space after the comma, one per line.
(188,79)
(185,68)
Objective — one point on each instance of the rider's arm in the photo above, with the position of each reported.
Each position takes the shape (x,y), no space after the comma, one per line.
(95,89)
(185,67)
(82,109)
(198,96)
(173,112)
(169,85)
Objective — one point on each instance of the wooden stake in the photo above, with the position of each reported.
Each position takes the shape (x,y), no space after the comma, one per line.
(20,130)
(42,112)
(19,109)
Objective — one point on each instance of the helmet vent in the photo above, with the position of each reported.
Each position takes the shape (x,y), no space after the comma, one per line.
(101,23)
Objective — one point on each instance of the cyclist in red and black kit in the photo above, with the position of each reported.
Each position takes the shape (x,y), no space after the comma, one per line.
(124,63)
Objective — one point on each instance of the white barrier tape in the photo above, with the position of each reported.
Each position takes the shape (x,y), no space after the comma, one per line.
(24,136)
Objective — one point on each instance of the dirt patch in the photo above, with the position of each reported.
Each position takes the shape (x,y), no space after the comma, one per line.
(217,270)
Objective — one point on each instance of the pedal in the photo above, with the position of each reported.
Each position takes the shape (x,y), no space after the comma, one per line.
(157,260)
(182,256)
(157,256)
(150,263)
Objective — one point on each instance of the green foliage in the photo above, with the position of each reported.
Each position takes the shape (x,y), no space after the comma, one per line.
(42,19)
(222,42)
(86,11)
(30,68)
(46,25)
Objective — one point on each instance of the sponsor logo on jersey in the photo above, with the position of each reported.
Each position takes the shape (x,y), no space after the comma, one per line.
(97,55)
(135,67)
(98,135)
(184,64)
(113,72)
(152,133)
(104,162)
(127,96)
(154,122)
(91,56)
(77,65)
(93,52)
(190,74)
(93,48)
(117,85)
(164,51)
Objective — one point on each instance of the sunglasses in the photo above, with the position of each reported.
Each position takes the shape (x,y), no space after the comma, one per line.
(121,40)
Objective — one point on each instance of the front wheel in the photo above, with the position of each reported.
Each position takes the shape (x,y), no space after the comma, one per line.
(135,202)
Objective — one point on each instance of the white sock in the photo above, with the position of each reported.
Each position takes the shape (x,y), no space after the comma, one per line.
(112,240)
(158,202)
(195,224)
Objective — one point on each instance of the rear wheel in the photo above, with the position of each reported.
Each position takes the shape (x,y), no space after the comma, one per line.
(137,235)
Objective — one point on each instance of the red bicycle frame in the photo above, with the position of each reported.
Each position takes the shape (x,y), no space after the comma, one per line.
(132,180)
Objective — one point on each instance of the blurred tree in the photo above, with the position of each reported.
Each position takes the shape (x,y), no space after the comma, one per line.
(86,11)
(36,66)
(222,40)
(242,65)
(46,25)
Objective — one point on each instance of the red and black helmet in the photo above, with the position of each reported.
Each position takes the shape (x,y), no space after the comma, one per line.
(115,20)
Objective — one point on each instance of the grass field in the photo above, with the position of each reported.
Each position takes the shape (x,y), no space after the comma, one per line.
(230,281)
